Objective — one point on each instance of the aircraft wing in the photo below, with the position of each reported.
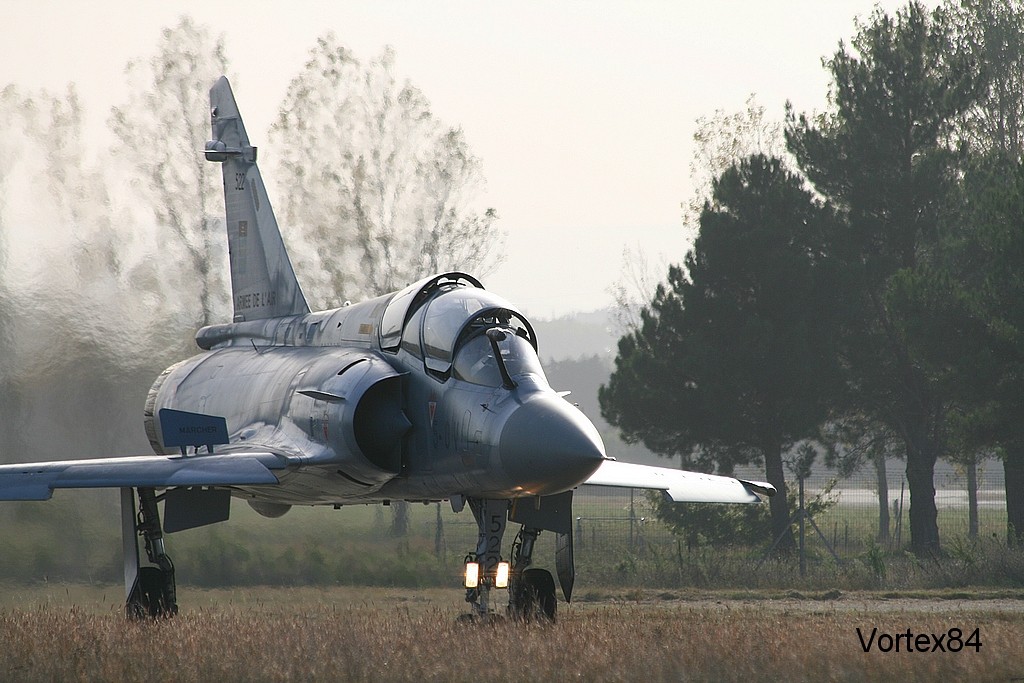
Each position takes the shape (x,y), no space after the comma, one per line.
(36,481)
(680,485)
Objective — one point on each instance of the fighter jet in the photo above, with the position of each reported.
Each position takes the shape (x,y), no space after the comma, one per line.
(431,393)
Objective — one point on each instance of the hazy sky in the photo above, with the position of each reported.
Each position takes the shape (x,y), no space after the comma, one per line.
(582,112)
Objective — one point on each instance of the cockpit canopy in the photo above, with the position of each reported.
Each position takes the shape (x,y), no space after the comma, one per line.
(458,328)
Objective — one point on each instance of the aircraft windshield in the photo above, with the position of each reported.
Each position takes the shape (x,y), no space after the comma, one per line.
(444,318)
(476,363)
(405,304)
(459,314)
(394,316)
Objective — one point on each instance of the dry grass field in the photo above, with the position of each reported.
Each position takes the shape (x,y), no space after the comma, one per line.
(67,634)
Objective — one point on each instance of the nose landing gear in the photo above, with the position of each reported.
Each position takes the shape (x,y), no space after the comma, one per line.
(490,518)
(531,590)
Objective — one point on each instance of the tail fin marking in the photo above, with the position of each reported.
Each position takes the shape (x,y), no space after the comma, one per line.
(263,282)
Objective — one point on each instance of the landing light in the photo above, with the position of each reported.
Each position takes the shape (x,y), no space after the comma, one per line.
(501,579)
(472,574)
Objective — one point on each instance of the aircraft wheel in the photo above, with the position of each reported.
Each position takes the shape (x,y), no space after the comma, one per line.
(536,598)
(149,598)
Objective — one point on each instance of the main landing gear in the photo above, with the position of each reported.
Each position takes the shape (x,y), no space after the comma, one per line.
(150,590)
(531,591)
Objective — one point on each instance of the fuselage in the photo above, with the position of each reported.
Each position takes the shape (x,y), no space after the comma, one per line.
(429,393)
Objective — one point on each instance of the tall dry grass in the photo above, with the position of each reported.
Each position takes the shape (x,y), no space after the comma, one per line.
(359,636)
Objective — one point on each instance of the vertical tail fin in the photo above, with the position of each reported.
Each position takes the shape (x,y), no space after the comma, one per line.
(263,283)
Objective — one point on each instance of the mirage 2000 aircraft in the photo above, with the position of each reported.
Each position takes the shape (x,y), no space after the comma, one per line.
(432,393)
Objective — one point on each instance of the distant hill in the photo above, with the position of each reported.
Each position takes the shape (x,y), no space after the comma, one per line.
(577,335)
(578,354)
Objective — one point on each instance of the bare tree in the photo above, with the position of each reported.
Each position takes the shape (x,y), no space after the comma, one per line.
(66,296)
(383,192)
(160,131)
(638,278)
(720,140)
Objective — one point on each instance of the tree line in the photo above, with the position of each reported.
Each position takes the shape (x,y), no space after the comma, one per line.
(863,289)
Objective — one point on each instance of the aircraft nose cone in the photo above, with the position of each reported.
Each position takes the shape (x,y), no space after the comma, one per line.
(548,446)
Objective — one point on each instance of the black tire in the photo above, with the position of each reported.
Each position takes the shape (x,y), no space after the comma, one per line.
(535,596)
(150,599)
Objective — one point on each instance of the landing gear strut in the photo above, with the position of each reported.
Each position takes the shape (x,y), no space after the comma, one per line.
(490,518)
(150,591)
(531,590)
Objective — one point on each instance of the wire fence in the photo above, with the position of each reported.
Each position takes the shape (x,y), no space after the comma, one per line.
(852,522)
(617,535)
